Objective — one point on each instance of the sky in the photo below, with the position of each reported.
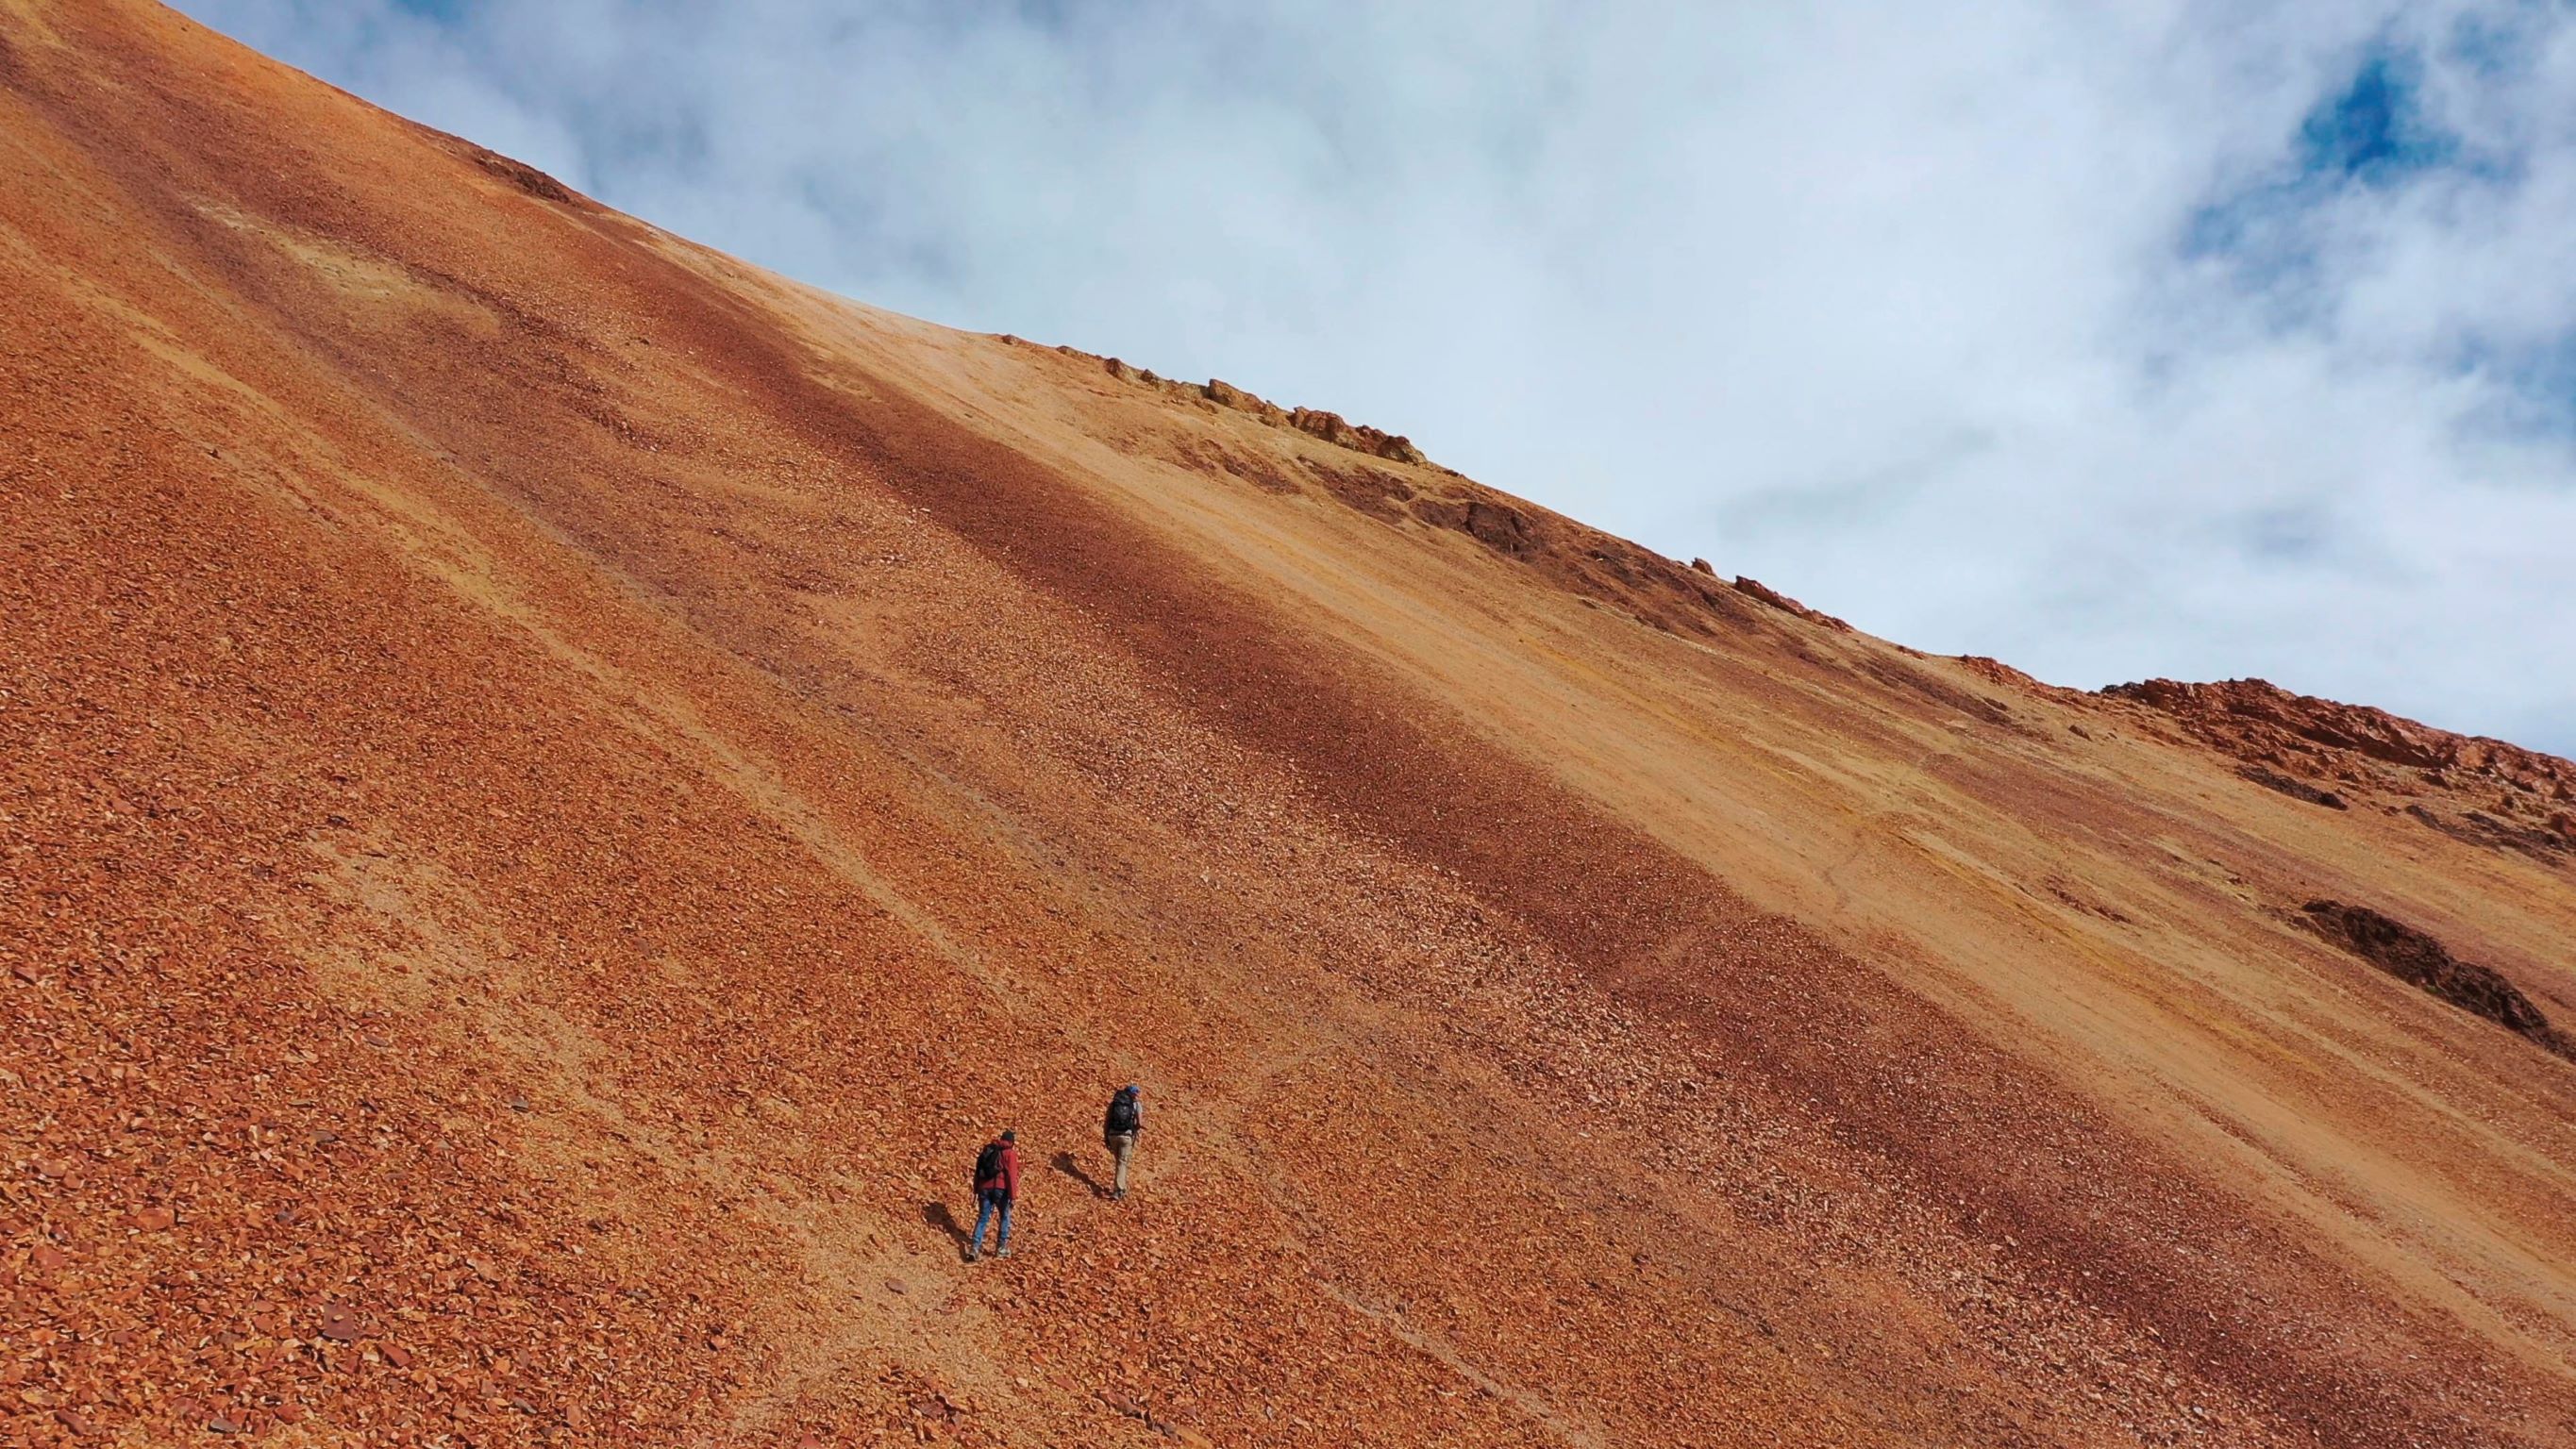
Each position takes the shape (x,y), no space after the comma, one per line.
(2167,338)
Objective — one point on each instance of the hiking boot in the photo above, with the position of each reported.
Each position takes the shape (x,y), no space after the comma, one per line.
(972,1254)
(1118,1194)
(1001,1252)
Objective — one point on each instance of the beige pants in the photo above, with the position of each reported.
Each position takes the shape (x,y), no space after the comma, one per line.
(1123,1146)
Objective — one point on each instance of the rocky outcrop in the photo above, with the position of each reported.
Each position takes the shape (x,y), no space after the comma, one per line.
(1314,422)
(2549,841)
(2295,788)
(1359,439)
(525,177)
(2482,791)
(1500,527)
(2258,720)
(2425,963)
(1226,394)
(1995,671)
(1601,568)
(1129,373)
(1755,588)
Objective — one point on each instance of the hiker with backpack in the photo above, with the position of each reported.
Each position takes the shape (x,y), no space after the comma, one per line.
(997,1185)
(1119,1131)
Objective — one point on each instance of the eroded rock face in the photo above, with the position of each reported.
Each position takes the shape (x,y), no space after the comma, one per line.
(2421,961)
(2295,788)
(2257,719)
(526,177)
(1755,588)
(2548,841)
(2481,791)
(1499,527)
(1314,422)
(1332,428)
(1226,394)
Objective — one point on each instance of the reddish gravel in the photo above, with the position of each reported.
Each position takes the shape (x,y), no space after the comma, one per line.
(554,787)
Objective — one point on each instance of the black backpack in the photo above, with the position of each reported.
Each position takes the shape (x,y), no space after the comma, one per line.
(1122,1112)
(988,1163)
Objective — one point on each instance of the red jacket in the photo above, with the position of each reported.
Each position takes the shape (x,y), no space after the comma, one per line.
(1006,1175)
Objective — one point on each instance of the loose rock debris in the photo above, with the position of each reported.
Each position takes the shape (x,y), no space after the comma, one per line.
(552,787)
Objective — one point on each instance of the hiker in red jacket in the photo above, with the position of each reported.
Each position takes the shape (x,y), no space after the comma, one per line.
(997,1184)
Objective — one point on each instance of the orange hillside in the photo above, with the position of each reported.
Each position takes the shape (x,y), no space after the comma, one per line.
(555,786)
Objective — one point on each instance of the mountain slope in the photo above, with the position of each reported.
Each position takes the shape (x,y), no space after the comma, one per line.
(554,785)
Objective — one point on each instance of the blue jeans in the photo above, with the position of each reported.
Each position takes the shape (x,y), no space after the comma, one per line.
(994,1199)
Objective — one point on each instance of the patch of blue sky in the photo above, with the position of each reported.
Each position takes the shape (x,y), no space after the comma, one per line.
(2271,243)
(2373,133)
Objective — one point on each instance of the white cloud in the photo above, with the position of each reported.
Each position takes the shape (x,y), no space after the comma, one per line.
(2010,328)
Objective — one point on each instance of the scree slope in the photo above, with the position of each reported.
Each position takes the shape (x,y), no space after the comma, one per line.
(555,785)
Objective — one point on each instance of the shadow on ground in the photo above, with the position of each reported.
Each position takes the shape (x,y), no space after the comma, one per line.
(1065,1163)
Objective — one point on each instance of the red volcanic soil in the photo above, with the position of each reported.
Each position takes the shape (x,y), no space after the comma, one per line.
(554,786)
